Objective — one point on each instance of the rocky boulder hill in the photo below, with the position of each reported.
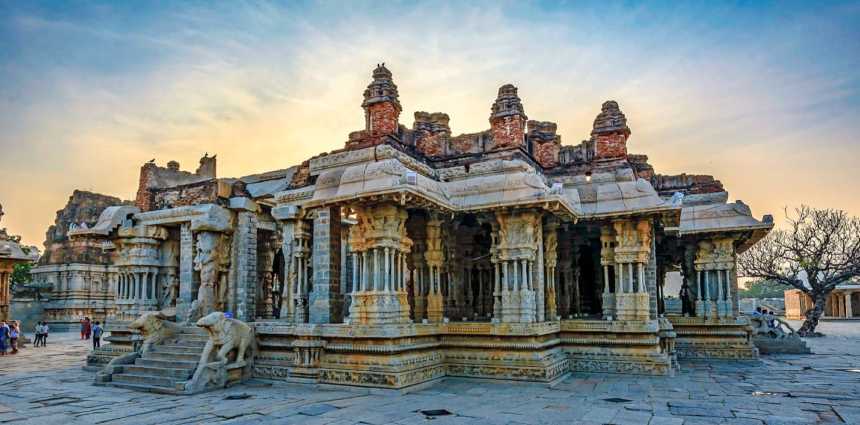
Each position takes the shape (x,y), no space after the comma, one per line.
(83,207)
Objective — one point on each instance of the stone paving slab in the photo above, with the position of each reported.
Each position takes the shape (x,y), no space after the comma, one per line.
(46,386)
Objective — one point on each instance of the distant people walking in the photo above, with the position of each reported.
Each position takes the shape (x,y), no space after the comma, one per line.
(97,335)
(4,337)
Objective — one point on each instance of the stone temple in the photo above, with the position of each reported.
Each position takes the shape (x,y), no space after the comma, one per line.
(413,254)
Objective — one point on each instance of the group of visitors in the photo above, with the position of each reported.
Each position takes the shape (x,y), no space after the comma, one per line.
(41,332)
(9,333)
(764,314)
(92,330)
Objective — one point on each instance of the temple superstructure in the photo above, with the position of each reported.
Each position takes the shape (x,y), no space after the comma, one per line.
(412,254)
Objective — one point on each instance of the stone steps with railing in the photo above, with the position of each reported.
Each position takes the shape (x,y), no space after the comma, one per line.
(166,367)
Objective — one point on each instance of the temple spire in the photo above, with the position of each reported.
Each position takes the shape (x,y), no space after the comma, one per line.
(507,118)
(610,133)
(381,104)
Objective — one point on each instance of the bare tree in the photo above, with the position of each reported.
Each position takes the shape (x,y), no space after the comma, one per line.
(818,249)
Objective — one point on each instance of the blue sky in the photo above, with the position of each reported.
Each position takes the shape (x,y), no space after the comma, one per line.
(764,95)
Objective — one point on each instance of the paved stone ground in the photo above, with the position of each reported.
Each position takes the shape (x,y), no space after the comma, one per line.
(47,386)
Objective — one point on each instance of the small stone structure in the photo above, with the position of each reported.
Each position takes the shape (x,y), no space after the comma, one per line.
(412,254)
(842,303)
(11,253)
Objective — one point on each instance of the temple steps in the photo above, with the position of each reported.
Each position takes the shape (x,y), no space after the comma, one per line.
(158,354)
(165,367)
(145,388)
(167,372)
(157,381)
(169,364)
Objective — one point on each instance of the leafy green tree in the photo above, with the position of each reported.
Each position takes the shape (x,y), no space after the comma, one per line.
(764,289)
(21,274)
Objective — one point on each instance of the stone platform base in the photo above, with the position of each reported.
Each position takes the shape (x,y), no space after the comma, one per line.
(724,338)
(402,356)
(787,345)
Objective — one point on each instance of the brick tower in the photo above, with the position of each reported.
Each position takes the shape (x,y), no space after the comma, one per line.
(381,105)
(610,133)
(507,119)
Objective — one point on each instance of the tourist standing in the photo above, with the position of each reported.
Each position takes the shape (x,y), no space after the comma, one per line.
(44,333)
(83,327)
(97,335)
(13,337)
(686,309)
(4,335)
(37,332)
(89,328)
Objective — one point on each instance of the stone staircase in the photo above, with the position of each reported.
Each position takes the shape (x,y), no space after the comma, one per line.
(166,367)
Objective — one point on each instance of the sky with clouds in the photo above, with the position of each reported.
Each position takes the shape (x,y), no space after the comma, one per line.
(763,95)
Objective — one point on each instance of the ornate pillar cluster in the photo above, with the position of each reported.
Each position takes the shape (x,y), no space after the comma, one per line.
(380,250)
(139,271)
(715,277)
(515,253)
(300,273)
(631,256)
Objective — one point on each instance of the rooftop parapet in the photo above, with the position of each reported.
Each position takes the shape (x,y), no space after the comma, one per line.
(153,177)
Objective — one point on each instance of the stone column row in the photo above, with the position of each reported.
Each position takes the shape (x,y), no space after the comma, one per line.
(137,286)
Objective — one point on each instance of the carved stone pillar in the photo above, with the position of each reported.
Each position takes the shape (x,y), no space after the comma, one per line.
(632,253)
(299,278)
(565,266)
(292,224)
(610,273)
(382,246)
(550,245)
(417,267)
(208,262)
(516,254)
(434,257)
(267,244)
(186,272)
(244,258)
(453,280)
